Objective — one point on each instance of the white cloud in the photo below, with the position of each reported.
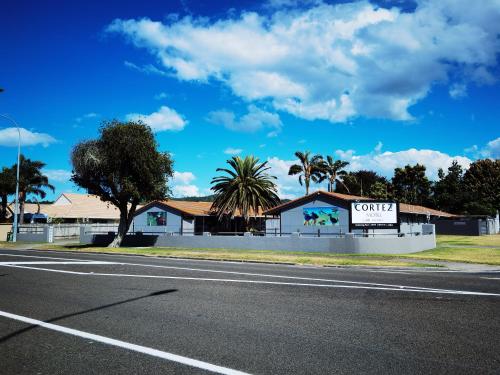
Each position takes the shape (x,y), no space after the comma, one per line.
(147,69)
(256,119)
(182,185)
(183,177)
(161,95)
(288,186)
(330,62)
(58,175)
(9,137)
(458,91)
(163,119)
(385,162)
(491,150)
(180,191)
(233,151)
(87,116)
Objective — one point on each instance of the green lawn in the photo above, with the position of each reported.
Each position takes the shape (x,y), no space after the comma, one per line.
(492,240)
(268,256)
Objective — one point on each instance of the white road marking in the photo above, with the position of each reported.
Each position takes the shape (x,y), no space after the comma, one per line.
(399,272)
(491,278)
(125,345)
(218,271)
(401,288)
(274,276)
(95,262)
(37,256)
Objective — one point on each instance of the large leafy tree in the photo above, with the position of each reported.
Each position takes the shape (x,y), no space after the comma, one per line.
(32,182)
(7,187)
(310,168)
(411,185)
(123,167)
(482,187)
(449,193)
(333,171)
(364,183)
(246,188)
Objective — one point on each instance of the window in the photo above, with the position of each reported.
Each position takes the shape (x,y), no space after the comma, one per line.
(156,219)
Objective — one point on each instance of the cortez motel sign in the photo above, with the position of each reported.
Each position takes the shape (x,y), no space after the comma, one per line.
(374,214)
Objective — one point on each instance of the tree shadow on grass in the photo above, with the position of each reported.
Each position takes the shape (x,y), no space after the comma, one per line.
(29,328)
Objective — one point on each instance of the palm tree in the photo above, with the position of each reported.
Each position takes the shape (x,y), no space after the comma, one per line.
(246,188)
(31,181)
(333,172)
(310,168)
(7,187)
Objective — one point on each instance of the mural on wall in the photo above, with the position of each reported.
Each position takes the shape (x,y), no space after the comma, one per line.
(321,216)
(156,219)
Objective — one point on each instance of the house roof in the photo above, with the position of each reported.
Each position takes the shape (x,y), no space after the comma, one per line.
(188,207)
(75,206)
(403,207)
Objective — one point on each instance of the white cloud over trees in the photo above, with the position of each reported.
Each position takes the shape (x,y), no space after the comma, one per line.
(162,120)
(9,137)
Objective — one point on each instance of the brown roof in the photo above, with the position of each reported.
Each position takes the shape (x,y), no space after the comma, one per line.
(403,207)
(77,206)
(414,209)
(189,208)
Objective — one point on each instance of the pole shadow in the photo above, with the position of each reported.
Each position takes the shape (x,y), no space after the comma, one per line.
(29,328)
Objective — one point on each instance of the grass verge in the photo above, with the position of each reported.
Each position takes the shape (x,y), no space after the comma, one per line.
(463,249)
(491,240)
(481,255)
(265,256)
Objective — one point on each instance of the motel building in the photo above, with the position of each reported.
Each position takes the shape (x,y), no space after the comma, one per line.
(321,222)
(318,214)
(323,213)
(176,217)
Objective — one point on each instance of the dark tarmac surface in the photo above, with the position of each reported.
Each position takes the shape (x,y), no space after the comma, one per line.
(254,318)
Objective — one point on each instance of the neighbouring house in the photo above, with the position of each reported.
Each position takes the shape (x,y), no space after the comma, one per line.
(189,218)
(292,217)
(71,208)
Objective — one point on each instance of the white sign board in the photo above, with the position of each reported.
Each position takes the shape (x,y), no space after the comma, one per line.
(374,214)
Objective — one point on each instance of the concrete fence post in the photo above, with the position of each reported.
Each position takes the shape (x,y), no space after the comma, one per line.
(48,233)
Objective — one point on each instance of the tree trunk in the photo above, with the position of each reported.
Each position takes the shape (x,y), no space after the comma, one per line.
(3,211)
(122,230)
(126,217)
(307,186)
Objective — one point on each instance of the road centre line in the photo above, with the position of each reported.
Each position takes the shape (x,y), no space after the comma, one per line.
(125,345)
(37,256)
(267,275)
(94,262)
(247,273)
(275,276)
(221,271)
(399,289)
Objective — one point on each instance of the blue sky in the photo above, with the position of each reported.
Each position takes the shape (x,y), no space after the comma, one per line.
(380,84)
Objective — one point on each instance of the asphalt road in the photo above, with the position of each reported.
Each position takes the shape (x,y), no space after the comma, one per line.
(136,315)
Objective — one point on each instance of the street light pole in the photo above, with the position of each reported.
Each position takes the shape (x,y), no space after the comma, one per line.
(16,209)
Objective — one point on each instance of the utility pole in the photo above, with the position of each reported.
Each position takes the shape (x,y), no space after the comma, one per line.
(16,209)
